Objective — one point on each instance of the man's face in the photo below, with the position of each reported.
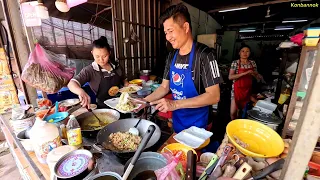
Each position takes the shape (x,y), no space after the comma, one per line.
(176,33)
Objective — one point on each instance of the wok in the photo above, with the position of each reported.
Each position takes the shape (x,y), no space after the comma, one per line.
(83,116)
(123,125)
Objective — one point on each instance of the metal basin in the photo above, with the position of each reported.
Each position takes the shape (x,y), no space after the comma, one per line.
(147,161)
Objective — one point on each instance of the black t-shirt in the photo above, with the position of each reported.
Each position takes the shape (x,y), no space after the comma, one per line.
(205,70)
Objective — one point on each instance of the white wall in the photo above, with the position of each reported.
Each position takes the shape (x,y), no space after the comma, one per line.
(201,22)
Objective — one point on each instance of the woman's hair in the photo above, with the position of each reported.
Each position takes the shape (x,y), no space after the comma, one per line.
(245,46)
(102,42)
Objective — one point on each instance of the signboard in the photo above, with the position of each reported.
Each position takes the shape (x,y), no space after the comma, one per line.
(29,14)
(8,92)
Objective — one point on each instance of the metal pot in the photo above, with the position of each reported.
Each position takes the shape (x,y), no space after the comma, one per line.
(93,133)
(105,175)
(148,161)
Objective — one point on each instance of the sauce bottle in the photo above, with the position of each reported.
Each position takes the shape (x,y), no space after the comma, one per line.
(74,132)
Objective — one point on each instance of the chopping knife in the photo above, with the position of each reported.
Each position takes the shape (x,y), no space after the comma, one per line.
(268,170)
(209,169)
(191,165)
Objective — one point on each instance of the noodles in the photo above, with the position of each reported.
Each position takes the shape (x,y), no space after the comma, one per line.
(124,103)
(125,141)
(129,89)
(92,123)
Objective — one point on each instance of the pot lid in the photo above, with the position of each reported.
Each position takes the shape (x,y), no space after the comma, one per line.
(58,152)
(264,117)
(72,164)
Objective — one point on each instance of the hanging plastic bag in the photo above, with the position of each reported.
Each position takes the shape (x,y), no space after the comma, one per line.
(173,169)
(44,72)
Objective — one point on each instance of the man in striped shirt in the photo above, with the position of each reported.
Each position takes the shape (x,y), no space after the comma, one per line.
(191,74)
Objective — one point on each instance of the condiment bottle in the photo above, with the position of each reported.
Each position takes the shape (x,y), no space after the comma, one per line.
(63,130)
(45,137)
(74,132)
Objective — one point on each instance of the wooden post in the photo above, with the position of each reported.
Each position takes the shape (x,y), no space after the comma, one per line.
(19,44)
(307,131)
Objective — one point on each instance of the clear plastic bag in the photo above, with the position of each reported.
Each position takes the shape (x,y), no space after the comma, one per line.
(44,71)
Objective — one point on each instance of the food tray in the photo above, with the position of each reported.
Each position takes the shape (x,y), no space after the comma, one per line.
(112,103)
(135,89)
(193,137)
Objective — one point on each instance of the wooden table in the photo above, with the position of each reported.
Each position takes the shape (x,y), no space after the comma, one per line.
(170,140)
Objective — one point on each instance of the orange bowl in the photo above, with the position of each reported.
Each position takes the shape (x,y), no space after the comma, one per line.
(137,82)
(41,113)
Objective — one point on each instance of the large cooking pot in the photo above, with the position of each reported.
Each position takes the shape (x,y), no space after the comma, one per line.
(123,125)
(93,133)
(146,164)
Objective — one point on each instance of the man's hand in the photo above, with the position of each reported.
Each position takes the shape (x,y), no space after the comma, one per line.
(164,105)
(84,99)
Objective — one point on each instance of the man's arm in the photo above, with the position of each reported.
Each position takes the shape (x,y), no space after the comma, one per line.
(164,87)
(160,92)
(210,97)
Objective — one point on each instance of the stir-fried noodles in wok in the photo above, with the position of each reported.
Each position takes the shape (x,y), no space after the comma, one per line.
(125,141)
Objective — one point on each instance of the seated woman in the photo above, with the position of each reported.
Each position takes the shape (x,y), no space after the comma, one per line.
(104,75)
(241,72)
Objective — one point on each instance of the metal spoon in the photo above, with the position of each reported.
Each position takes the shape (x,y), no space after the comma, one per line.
(134,129)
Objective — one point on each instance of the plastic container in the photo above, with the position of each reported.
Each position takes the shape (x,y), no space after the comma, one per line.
(144,92)
(154,87)
(311,41)
(19,125)
(193,137)
(45,137)
(265,106)
(313,31)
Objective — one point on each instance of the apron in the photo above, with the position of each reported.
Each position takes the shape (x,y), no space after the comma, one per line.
(182,87)
(243,87)
(105,84)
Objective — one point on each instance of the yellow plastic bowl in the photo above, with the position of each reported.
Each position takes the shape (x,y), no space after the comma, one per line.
(178,147)
(136,81)
(203,145)
(261,140)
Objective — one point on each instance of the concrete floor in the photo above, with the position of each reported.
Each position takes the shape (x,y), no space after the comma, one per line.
(8,167)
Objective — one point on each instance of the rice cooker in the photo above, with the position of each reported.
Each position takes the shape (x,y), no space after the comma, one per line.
(271,120)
